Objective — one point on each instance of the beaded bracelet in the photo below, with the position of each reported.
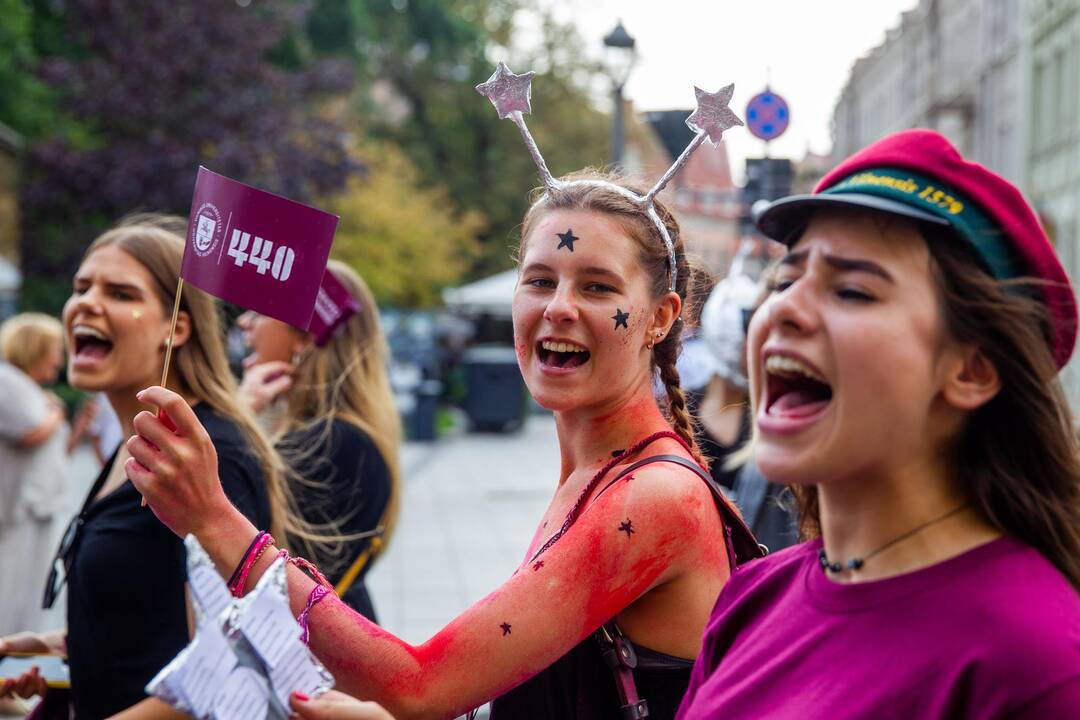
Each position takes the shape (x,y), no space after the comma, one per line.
(261,543)
(317,593)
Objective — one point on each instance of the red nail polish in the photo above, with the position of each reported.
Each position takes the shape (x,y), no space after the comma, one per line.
(300,696)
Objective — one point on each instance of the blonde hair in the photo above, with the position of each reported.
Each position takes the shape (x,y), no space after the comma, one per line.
(346,380)
(653,257)
(27,337)
(200,367)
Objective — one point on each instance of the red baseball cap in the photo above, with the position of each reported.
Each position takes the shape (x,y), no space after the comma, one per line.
(918,174)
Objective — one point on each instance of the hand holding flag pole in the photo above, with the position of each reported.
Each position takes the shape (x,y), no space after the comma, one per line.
(161,414)
(255,249)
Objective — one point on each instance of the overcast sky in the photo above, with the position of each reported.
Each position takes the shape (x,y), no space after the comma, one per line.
(809,46)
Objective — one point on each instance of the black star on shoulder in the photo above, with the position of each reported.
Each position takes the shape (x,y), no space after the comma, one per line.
(505,628)
(627,527)
(566,240)
(620,318)
(538,564)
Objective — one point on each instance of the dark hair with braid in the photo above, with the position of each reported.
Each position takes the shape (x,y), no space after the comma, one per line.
(653,256)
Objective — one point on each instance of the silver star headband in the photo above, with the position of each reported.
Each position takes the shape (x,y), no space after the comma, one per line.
(512,97)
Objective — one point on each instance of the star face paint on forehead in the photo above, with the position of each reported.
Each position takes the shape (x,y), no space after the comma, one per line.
(620,319)
(567,239)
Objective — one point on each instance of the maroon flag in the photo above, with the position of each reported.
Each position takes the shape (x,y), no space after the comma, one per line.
(333,306)
(256,249)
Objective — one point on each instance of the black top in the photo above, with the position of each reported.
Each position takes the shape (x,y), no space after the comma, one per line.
(769,509)
(346,483)
(126,612)
(581,686)
(717,452)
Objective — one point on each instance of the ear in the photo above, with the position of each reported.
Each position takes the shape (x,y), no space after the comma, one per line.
(183,330)
(971,380)
(666,313)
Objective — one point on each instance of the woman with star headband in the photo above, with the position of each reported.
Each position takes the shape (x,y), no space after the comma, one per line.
(903,376)
(637,540)
(634,547)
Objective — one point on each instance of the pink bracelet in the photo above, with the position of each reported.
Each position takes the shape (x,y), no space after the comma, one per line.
(256,551)
(310,568)
(317,593)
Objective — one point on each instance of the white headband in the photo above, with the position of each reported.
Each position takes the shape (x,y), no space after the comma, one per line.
(512,96)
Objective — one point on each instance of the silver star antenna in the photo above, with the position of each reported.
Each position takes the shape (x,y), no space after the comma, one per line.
(512,97)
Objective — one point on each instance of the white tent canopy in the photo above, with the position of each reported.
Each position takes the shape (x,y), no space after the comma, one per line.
(489,296)
(10,277)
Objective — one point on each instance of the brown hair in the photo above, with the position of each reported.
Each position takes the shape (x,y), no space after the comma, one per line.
(653,256)
(26,338)
(347,380)
(1018,456)
(200,367)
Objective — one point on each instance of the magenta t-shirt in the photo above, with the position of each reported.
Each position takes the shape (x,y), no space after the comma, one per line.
(991,633)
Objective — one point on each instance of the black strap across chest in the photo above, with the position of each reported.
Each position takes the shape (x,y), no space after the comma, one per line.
(616,648)
(741,544)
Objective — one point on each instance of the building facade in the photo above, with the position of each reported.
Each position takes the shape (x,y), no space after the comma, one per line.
(1051,135)
(949,65)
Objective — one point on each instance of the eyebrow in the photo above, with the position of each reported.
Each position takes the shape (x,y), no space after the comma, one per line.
(591,270)
(840,263)
(110,285)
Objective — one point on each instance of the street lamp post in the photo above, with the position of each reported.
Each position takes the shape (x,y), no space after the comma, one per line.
(619,57)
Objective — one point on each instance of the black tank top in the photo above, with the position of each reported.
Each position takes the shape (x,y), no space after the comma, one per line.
(580,686)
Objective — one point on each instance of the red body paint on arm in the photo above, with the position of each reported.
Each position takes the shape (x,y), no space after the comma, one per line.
(595,572)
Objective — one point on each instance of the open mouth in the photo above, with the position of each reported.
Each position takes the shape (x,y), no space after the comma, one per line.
(561,354)
(794,390)
(90,344)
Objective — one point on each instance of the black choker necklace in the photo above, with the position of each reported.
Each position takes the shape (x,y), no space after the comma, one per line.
(856,563)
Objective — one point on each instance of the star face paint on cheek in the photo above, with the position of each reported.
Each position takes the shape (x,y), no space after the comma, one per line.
(620,319)
(627,527)
(566,240)
(505,628)
(136,314)
(537,565)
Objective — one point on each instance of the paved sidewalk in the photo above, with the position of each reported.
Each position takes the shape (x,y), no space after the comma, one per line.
(471,504)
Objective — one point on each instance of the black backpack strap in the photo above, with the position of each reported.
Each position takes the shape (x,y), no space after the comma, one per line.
(741,544)
(618,653)
(616,648)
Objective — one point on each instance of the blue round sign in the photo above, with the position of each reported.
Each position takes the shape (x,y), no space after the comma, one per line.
(767,115)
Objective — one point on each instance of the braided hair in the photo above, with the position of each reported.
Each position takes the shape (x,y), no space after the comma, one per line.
(653,256)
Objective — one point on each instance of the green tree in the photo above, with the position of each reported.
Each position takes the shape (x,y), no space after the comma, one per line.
(403,237)
(418,62)
(25,102)
(155,88)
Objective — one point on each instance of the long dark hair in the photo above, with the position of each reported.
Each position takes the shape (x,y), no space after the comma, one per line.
(1018,457)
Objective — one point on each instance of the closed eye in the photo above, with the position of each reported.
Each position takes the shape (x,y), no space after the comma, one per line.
(853,294)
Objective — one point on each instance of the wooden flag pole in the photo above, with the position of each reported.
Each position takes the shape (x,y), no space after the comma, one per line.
(172,331)
(168,354)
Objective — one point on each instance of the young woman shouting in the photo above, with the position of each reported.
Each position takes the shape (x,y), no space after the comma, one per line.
(903,376)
